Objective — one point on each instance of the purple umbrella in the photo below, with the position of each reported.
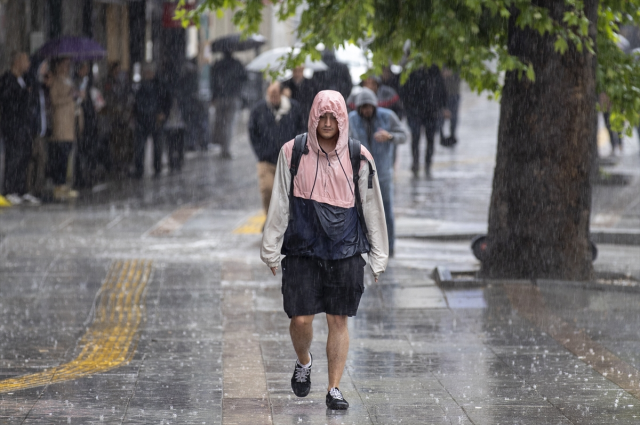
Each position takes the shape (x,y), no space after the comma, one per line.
(77,48)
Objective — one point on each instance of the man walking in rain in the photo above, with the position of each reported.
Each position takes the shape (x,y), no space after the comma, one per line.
(227,76)
(324,215)
(274,120)
(379,129)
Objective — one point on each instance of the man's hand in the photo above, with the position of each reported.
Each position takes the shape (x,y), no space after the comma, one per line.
(382,136)
(273,270)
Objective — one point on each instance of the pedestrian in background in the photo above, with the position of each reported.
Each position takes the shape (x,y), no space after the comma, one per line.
(174,130)
(300,89)
(379,130)
(151,108)
(337,77)
(41,129)
(452,85)
(116,122)
(386,95)
(323,220)
(274,120)
(86,158)
(63,104)
(614,137)
(424,97)
(16,122)
(227,77)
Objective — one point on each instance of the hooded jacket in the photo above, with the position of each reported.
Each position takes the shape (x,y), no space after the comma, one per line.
(325,178)
(363,129)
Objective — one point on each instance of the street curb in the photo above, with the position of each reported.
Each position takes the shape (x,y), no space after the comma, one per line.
(616,237)
(459,280)
(629,237)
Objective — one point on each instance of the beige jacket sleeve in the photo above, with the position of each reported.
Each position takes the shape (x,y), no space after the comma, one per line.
(373,210)
(278,214)
(278,217)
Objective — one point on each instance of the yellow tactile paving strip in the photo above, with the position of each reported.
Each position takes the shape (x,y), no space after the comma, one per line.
(253,225)
(530,304)
(112,338)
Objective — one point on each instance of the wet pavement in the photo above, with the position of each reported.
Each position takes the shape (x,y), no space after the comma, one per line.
(146,303)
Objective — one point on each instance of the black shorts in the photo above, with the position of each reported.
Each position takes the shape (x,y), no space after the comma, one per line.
(312,286)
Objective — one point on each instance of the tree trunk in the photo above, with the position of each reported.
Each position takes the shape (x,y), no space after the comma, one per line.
(541,199)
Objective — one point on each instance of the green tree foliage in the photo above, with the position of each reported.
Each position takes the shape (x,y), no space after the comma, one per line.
(466,35)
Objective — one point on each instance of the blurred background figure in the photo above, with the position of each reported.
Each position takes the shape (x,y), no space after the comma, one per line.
(386,95)
(151,108)
(424,97)
(452,85)
(63,107)
(174,132)
(337,77)
(227,76)
(86,158)
(16,121)
(115,119)
(614,137)
(41,129)
(389,78)
(193,112)
(274,121)
(300,89)
(379,130)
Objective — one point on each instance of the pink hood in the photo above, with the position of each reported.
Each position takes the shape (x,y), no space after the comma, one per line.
(326,178)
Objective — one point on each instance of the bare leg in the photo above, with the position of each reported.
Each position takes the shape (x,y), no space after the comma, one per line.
(301,330)
(337,348)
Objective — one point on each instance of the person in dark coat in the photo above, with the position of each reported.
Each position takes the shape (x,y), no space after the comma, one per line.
(16,125)
(274,121)
(424,97)
(88,144)
(152,105)
(337,77)
(300,89)
(227,77)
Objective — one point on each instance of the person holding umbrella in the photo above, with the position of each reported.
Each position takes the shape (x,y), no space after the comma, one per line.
(226,80)
(63,104)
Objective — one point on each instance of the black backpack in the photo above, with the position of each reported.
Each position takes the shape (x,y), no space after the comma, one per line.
(300,148)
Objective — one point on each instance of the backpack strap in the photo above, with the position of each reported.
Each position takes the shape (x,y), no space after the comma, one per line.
(356,156)
(299,148)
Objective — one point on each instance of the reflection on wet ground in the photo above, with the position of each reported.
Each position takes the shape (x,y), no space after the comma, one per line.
(214,343)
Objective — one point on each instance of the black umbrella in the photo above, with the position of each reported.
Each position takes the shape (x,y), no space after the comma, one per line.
(233,43)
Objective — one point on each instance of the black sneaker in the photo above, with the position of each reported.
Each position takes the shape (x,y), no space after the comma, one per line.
(335,401)
(301,379)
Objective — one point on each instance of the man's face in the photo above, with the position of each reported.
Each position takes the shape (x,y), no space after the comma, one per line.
(328,126)
(298,73)
(83,71)
(23,63)
(273,95)
(371,84)
(367,110)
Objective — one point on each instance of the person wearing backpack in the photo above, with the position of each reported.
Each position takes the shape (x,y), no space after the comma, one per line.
(379,129)
(326,211)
